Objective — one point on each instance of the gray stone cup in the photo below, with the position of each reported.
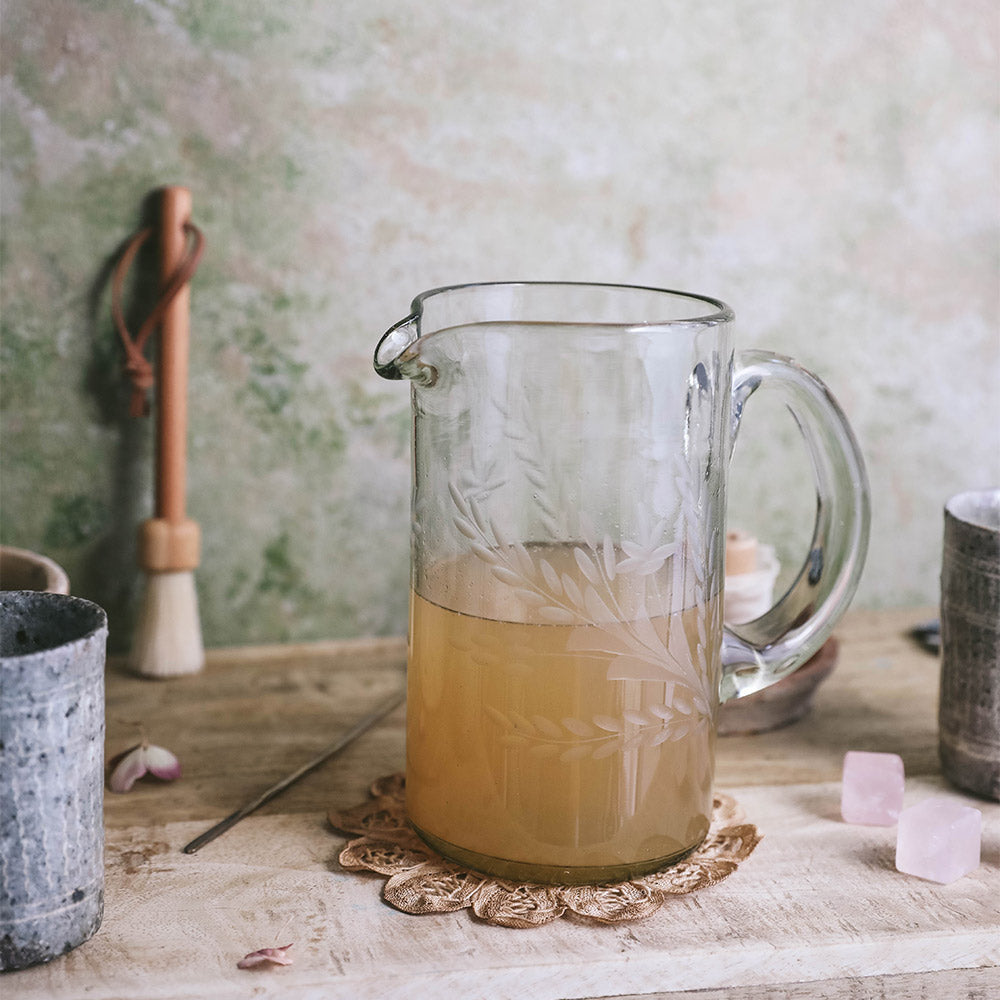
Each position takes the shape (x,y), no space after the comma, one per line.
(52,651)
(969,708)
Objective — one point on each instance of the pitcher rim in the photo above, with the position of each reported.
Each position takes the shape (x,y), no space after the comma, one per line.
(722,312)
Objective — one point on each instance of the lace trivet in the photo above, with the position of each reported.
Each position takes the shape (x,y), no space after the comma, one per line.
(421,881)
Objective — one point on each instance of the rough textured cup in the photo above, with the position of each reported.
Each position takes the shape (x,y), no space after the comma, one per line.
(52,651)
(969,712)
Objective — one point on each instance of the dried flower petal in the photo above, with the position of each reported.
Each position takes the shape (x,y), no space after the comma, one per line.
(273,956)
(128,767)
(162,763)
(143,758)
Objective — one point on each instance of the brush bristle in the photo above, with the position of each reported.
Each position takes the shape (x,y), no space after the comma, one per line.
(167,640)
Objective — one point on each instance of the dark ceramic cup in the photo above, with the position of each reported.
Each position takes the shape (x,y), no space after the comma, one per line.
(969,708)
(52,652)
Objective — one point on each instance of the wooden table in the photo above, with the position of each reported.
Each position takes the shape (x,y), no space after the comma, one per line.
(817,911)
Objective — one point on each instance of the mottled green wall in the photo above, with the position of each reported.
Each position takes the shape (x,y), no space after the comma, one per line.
(829,169)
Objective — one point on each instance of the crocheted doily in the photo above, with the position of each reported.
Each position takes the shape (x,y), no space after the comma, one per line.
(421,881)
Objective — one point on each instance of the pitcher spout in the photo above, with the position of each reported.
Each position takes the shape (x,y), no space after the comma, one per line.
(397,356)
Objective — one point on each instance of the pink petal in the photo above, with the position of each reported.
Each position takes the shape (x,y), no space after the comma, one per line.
(130,767)
(275,956)
(162,763)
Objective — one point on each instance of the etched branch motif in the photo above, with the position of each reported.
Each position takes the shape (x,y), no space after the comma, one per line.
(641,605)
(588,596)
(572,739)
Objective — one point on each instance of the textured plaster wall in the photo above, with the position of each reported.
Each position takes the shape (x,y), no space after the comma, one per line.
(830,169)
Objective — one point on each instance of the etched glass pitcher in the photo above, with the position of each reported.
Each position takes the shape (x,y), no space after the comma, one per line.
(567,652)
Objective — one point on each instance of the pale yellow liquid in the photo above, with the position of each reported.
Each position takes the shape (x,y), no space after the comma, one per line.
(507,770)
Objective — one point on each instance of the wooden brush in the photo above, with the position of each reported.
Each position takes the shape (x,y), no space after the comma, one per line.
(167,640)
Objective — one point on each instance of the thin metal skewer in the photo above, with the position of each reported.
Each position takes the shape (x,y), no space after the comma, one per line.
(342,741)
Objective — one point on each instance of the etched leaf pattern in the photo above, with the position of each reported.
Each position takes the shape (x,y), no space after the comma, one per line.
(571,739)
(630,642)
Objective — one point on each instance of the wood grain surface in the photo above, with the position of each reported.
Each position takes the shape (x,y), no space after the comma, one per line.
(817,911)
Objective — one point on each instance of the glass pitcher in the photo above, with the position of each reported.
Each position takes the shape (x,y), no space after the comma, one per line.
(567,654)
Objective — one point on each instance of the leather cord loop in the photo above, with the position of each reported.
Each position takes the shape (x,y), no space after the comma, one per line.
(137,366)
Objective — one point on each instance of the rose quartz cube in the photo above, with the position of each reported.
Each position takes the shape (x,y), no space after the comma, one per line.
(872,789)
(939,839)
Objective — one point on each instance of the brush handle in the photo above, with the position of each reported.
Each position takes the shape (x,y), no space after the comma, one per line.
(171,439)
(170,541)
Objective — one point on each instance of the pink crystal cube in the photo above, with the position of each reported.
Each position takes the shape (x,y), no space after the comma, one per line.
(872,788)
(939,839)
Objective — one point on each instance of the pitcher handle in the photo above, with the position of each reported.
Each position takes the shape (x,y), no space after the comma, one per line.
(758,653)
